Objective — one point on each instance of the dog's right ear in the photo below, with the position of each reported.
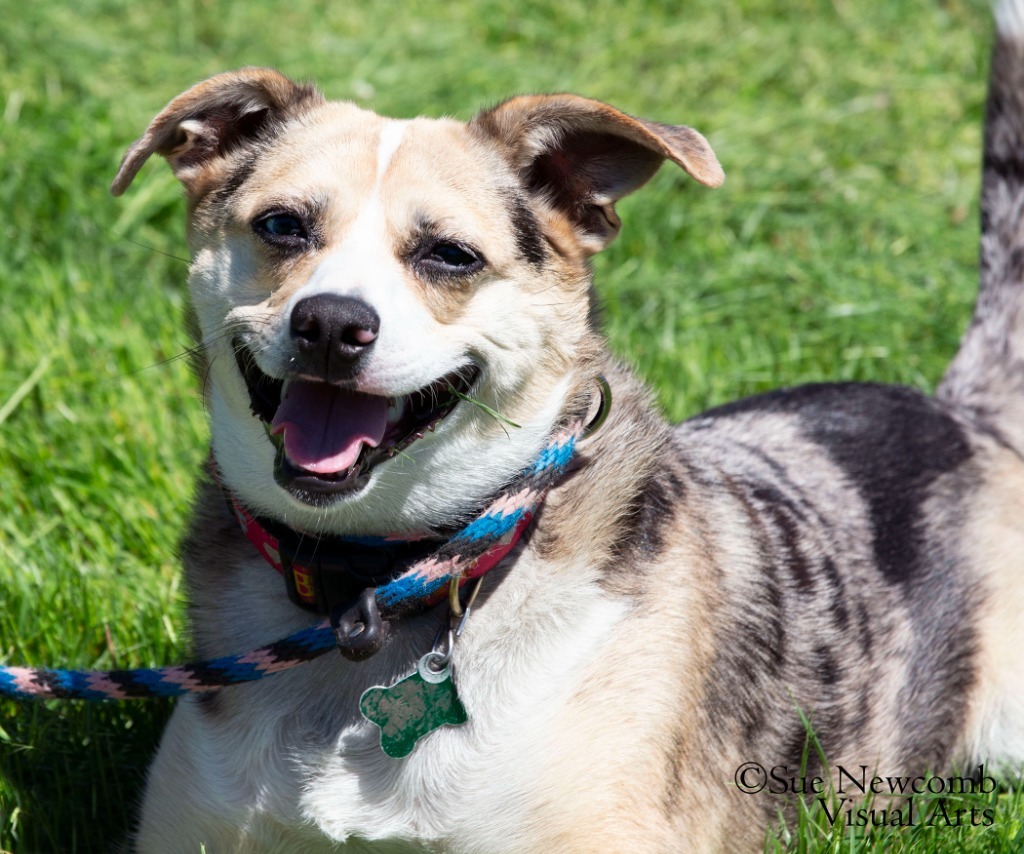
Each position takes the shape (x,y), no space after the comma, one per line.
(212,118)
(581,156)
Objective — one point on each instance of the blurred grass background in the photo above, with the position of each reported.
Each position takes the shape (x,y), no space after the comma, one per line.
(842,246)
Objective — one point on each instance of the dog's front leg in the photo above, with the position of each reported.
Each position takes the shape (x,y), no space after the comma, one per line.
(193,800)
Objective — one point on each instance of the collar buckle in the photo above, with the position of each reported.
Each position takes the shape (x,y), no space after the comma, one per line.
(320,578)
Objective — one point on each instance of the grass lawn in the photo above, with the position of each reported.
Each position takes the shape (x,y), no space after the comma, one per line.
(842,246)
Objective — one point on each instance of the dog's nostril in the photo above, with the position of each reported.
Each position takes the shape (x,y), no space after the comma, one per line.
(306,326)
(358,336)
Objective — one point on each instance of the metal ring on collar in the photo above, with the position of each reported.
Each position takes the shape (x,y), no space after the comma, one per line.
(605,390)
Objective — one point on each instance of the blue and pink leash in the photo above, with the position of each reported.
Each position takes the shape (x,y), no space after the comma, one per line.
(470,553)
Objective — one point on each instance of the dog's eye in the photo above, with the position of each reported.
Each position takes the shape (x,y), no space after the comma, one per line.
(283,224)
(452,255)
(281,228)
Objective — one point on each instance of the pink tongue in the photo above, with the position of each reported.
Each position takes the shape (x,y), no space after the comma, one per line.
(325,427)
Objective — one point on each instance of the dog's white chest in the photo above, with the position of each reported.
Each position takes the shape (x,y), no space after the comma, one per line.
(295,764)
(472,786)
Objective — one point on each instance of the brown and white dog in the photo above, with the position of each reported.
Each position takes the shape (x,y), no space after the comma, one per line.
(854,553)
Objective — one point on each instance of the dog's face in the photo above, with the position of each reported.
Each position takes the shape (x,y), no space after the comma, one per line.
(370,292)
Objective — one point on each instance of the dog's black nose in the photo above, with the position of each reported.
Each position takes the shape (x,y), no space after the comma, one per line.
(331,334)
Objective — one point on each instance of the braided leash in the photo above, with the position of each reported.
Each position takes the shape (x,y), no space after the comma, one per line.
(426,581)
(25,683)
(422,585)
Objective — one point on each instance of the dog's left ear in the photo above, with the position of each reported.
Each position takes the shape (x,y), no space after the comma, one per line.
(211,119)
(582,156)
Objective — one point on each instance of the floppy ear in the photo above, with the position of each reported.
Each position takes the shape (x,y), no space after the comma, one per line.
(582,156)
(212,118)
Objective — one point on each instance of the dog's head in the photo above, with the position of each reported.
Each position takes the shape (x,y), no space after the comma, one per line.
(370,292)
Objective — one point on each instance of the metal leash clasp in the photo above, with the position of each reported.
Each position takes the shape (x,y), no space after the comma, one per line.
(427,698)
(435,665)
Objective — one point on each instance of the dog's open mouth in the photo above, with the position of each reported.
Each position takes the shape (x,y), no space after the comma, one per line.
(329,438)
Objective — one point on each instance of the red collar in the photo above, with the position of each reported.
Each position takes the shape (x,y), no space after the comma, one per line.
(321,573)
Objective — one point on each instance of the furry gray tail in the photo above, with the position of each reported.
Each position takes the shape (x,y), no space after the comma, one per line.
(986,378)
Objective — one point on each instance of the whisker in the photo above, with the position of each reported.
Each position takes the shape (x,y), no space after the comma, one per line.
(152,249)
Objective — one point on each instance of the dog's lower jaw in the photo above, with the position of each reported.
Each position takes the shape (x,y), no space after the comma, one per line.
(316,490)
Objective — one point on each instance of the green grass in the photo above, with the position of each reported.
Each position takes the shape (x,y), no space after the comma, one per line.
(842,246)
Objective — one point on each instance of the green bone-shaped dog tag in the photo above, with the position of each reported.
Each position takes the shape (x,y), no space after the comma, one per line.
(413,707)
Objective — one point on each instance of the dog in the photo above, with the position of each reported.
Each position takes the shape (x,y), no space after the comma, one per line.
(397,335)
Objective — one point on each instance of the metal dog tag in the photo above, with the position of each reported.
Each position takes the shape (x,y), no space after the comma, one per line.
(414,707)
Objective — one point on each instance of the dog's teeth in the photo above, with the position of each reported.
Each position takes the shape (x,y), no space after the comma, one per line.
(396,409)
